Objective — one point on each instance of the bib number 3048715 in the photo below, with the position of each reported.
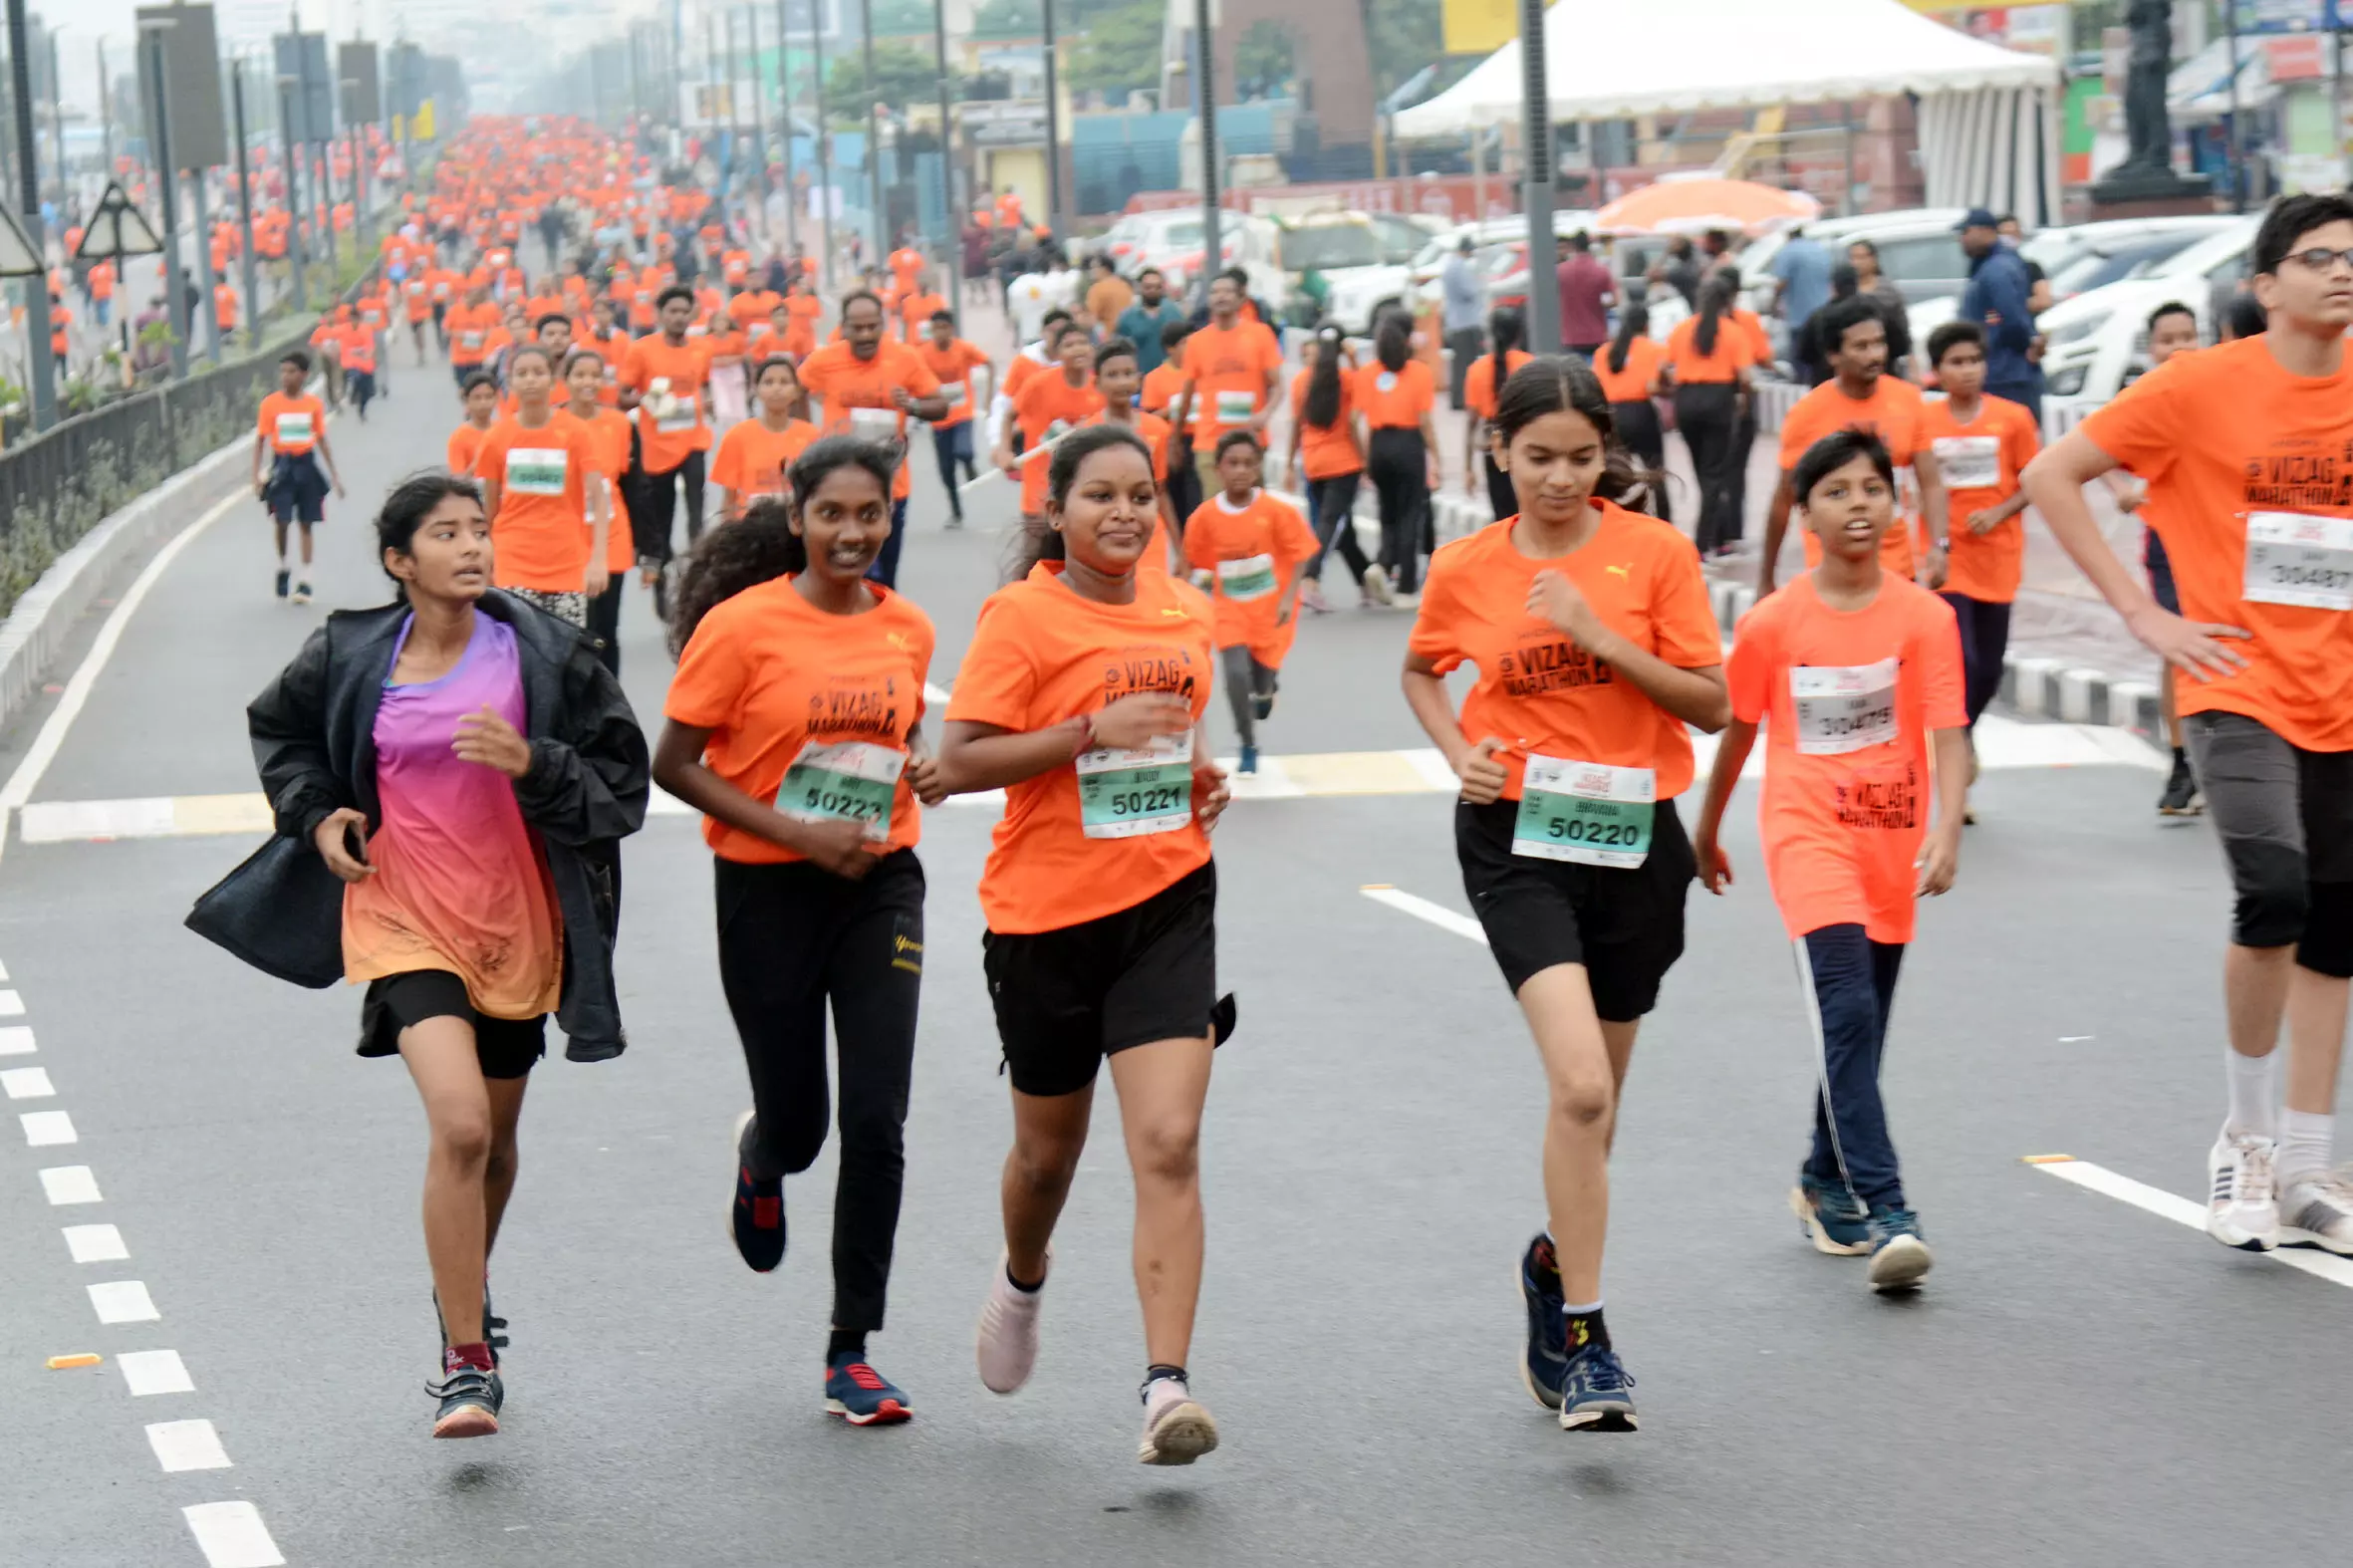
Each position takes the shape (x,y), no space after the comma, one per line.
(852,781)
(1128,794)
(1587,812)
(2293,559)
(1843,707)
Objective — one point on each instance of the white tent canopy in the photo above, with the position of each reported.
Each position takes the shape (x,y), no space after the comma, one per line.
(1609,60)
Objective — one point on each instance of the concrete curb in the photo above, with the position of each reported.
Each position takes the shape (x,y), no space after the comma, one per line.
(45,617)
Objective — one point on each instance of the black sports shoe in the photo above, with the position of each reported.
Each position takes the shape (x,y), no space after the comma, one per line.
(2180,792)
(284,578)
(757,1217)
(471,1400)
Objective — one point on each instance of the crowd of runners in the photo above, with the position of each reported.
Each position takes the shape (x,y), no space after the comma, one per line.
(452,774)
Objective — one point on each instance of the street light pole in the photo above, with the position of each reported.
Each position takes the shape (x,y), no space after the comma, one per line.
(296,250)
(825,153)
(2238,162)
(877,224)
(176,297)
(28,163)
(244,207)
(784,95)
(1205,107)
(105,111)
(951,229)
(1537,179)
(1054,213)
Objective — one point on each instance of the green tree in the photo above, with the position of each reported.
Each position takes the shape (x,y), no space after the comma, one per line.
(1264,60)
(1403,36)
(903,74)
(1117,48)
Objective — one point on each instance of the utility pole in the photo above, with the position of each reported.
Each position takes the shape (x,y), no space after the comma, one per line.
(28,163)
(296,252)
(784,95)
(1204,106)
(1537,177)
(175,294)
(878,222)
(825,155)
(1055,216)
(2236,152)
(105,111)
(57,127)
(951,247)
(751,40)
(245,207)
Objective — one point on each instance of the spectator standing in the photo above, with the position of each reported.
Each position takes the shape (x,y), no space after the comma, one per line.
(1875,286)
(1108,294)
(1141,322)
(1802,268)
(1587,292)
(1998,299)
(1464,313)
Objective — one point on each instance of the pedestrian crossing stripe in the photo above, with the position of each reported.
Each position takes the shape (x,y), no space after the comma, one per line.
(2001,743)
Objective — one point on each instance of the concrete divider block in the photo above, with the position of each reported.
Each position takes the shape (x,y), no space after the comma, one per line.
(2035,682)
(2083,696)
(2133,705)
(1719,596)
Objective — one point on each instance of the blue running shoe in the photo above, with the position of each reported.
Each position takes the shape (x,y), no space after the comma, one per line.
(862,1395)
(1834,1218)
(756,1219)
(1249,759)
(1596,1393)
(1544,1361)
(1899,1259)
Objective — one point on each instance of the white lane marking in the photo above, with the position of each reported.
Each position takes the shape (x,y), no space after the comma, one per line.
(1438,914)
(155,1372)
(69,1184)
(16,1039)
(11,1005)
(52,736)
(3,972)
(96,1243)
(27,1083)
(46,1129)
(55,822)
(2182,1211)
(231,1535)
(123,1301)
(187,1446)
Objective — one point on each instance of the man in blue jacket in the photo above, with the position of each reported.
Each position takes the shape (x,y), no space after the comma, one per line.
(1996,300)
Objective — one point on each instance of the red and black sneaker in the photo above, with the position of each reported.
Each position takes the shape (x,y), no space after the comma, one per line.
(470,1392)
(757,1219)
(862,1395)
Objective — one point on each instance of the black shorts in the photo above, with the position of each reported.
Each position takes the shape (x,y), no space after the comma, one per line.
(2285,819)
(1624,923)
(2160,572)
(297,489)
(1066,999)
(506,1047)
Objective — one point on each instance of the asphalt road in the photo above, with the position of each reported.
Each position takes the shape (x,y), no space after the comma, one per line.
(2082,1382)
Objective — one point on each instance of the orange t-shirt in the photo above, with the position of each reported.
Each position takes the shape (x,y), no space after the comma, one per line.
(669,439)
(1227,366)
(1325,452)
(2247,469)
(752,459)
(1395,400)
(803,310)
(753,305)
(1537,691)
(844,384)
(291,424)
(1987,453)
(1048,405)
(770,675)
(1632,384)
(906,265)
(464,441)
(1847,698)
(1734,352)
(417,298)
(1480,384)
(609,430)
(1896,413)
(469,327)
(953,366)
(1041,654)
(916,311)
(1163,382)
(1253,554)
(535,537)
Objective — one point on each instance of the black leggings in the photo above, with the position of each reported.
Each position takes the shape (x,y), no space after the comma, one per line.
(1639,429)
(1330,507)
(1705,412)
(791,938)
(656,502)
(1502,499)
(1984,638)
(1397,463)
(1248,681)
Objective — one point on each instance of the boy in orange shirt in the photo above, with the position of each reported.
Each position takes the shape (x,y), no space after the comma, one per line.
(953,360)
(1859,671)
(1253,546)
(290,426)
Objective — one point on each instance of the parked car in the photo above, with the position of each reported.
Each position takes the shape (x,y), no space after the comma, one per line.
(2091,256)
(1243,240)
(1501,258)
(2098,342)
(1337,266)
(1919,251)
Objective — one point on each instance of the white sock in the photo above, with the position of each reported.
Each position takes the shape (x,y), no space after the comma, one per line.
(2254,1101)
(2305,1144)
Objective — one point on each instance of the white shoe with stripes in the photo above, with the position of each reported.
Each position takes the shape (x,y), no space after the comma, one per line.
(2243,1199)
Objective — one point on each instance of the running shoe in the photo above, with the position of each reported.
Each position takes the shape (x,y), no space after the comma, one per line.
(1178,1429)
(1406,601)
(284,579)
(955,520)
(1376,586)
(862,1395)
(1262,704)
(2180,792)
(470,1399)
(1899,1259)
(1544,1359)
(1249,759)
(2243,1201)
(1006,1343)
(1597,1392)
(1834,1218)
(302,593)
(1311,598)
(757,1219)
(2316,1210)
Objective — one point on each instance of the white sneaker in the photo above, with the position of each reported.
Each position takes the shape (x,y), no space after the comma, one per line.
(1176,1429)
(1006,1343)
(1376,586)
(2316,1210)
(2242,1205)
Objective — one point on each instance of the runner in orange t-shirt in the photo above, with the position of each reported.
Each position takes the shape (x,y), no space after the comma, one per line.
(663,384)
(953,360)
(1118,372)
(1860,395)
(1855,671)
(868,386)
(1326,463)
(540,473)
(1632,369)
(1713,360)
(1252,546)
(1230,369)
(1596,649)
(1081,695)
(1480,384)
(291,430)
(610,431)
(1049,407)
(1395,395)
(795,725)
(755,456)
(481,412)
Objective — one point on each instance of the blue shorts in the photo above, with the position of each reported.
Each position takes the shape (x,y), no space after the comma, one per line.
(2160,570)
(297,489)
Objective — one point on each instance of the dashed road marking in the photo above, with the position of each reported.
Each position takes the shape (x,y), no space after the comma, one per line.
(2181,1211)
(148,1372)
(123,1301)
(231,1535)
(63,1185)
(16,1039)
(48,1129)
(96,1244)
(187,1446)
(1422,909)
(27,1083)
(11,1005)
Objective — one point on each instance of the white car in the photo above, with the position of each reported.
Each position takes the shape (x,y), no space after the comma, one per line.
(1500,258)
(2098,341)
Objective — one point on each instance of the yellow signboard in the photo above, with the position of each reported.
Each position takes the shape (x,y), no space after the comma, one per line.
(422,126)
(1479,27)
(1947,5)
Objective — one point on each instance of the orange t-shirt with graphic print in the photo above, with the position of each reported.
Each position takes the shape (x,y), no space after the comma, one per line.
(768,674)
(1042,654)
(1896,414)
(1847,699)
(609,433)
(2001,440)
(667,441)
(1252,553)
(1537,691)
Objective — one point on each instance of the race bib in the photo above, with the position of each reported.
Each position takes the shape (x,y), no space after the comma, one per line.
(1970,462)
(874,425)
(1843,707)
(536,470)
(952,393)
(852,781)
(2294,559)
(675,413)
(1587,812)
(1252,577)
(292,429)
(1235,407)
(1128,794)
(469,339)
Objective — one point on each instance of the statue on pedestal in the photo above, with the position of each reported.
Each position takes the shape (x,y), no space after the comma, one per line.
(2147,173)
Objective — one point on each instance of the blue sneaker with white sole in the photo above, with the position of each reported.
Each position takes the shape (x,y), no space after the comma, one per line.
(1835,1220)
(862,1395)
(1900,1259)
(1544,1359)
(1597,1392)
